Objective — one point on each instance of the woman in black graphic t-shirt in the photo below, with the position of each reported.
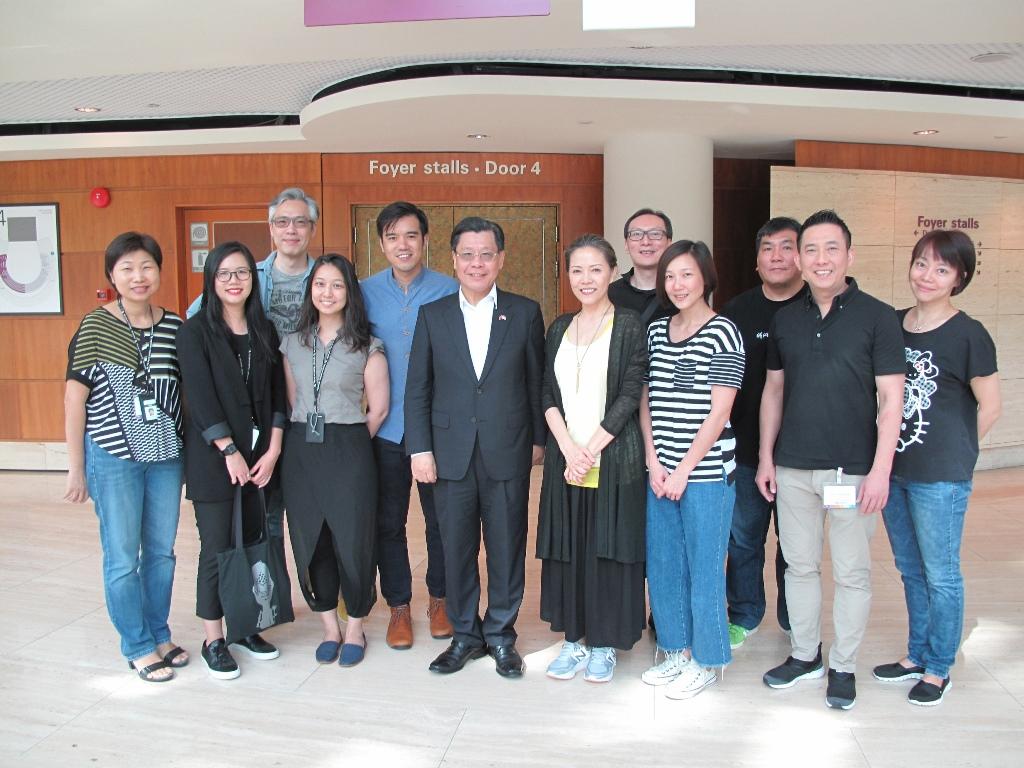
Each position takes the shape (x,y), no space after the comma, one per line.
(951,399)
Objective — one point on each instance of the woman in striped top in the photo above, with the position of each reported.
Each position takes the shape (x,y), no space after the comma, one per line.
(122,415)
(695,369)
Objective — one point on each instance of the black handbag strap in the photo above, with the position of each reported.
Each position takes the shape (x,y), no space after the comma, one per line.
(237,537)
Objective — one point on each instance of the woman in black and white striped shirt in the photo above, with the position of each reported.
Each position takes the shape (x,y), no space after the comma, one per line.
(122,412)
(695,369)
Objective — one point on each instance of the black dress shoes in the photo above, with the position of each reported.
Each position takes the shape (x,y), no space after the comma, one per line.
(455,657)
(507,661)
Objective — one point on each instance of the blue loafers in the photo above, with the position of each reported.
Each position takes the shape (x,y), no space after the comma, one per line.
(352,654)
(327,651)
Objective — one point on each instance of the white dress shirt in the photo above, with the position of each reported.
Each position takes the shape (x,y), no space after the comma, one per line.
(478,325)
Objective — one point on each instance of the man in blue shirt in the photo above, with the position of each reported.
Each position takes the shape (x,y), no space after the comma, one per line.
(393,298)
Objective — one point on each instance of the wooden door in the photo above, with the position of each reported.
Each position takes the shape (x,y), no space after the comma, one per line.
(531,245)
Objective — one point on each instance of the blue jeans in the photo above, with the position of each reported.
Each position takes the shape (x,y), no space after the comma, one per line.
(744,570)
(137,504)
(686,542)
(925,524)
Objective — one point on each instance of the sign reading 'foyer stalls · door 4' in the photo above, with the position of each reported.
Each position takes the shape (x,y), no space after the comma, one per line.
(453,167)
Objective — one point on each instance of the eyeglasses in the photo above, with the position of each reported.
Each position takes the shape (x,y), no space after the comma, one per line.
(654,235)
(299,222)
(224,275)
(487,256)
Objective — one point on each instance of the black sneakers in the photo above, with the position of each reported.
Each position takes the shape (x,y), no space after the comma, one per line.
(789,672)
(928,694)
(219,661)
(896,672)
(842,690)
(257,647)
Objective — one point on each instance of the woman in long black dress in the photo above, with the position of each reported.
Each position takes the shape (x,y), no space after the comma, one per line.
(329,474)
(590,533)
(234,400)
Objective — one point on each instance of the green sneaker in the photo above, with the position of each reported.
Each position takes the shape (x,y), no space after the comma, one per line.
(738,635)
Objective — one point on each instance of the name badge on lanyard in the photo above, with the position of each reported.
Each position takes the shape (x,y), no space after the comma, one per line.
(839,495)
(316,421)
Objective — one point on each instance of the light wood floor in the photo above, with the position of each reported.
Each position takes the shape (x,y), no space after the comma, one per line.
(68,699)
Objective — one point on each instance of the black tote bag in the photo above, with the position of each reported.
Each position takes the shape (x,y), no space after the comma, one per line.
(254,588)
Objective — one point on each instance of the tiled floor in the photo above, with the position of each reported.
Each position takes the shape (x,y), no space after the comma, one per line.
(68,698)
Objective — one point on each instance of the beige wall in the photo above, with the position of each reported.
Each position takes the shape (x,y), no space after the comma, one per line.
(888,211)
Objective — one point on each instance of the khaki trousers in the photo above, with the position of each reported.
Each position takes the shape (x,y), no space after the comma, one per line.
(802,519)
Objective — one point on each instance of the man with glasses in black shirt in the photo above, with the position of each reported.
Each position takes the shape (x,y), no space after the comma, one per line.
(648,233)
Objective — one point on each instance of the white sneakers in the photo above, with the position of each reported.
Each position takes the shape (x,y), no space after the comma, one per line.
(682,677)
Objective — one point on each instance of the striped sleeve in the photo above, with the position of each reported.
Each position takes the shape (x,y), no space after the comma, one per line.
(726,366)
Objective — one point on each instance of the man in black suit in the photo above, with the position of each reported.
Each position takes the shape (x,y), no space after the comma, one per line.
(473,425)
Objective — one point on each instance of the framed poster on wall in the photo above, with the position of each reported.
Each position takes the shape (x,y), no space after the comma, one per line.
(30,260)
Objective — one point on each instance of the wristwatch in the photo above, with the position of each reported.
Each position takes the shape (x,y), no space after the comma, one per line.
(229,449)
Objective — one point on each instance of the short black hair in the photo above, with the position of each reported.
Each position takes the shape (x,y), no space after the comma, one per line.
(129,242)
(596,242)
(399,209)
(824,216)
(952,247)
(773,227)
(705,263)
(648,212)
(478,224)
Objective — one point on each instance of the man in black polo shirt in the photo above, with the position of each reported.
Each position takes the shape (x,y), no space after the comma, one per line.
(752,311)
(830,418)
(648,233)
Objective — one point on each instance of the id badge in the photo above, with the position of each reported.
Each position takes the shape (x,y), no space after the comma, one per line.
(146,408)
(314,427)
(839,496)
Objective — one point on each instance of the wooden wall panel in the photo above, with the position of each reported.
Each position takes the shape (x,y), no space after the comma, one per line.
(989,210)
(41,409)
(10,411)
(864,200)
(146,195)
(575,182)
(896,157)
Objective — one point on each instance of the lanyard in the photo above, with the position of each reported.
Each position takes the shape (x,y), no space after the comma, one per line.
(247,368)
(144,360)
(319,380)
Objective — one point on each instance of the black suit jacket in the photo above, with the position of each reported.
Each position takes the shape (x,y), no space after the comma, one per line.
(217,404)
(447,409)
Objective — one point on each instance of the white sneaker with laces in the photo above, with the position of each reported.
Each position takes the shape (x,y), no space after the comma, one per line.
(661,674)
(694,679)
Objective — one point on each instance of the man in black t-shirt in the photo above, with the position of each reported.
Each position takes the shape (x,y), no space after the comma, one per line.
(752,311)
(648,233)
(830,417)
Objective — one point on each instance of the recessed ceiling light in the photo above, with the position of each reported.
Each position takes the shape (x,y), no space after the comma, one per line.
(991,57)
(925,132)
(641,47)
(477,136)
(152,105)
(87,109)
(585,122)
(1000,137)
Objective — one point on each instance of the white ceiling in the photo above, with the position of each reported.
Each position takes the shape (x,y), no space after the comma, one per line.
(144,60)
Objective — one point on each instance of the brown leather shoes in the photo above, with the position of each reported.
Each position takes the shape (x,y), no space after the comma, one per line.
(437,612)
(400,628)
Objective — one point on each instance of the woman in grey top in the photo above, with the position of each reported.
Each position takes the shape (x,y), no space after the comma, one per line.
(328,472)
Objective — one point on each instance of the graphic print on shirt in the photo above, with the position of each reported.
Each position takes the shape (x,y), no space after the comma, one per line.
(917,397)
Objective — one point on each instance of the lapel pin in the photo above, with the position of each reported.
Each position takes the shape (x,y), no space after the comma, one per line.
(502,317)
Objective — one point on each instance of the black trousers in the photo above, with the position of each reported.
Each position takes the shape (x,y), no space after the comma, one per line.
(498,507)
(213,519)
(394,469)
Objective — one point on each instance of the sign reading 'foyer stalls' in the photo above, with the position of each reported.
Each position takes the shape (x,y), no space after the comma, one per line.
(452,167)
